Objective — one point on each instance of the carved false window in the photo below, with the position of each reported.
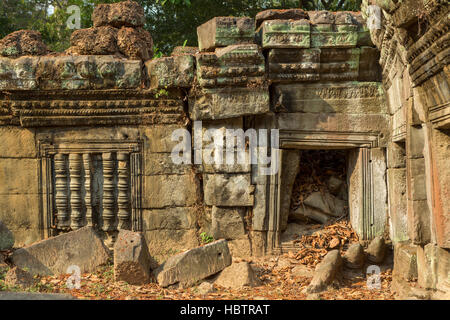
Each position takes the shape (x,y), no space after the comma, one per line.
(90,183)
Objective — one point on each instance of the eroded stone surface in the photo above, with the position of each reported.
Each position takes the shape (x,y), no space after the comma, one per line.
(171,72)
(191,266)
(54,255)
(21,43)
(132,261)
(126,13)
(326,272)
(238,275)
(16,277)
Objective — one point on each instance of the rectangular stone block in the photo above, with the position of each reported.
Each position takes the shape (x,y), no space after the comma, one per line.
(294,64)
(344,98)
(19,176)
(170,191)
(228,223)
(20,214)
(419,222)
(18,74)
(234,65)
(54,256)
(285,34)
(179,218)
(162,163)
(398,204)
(339,64)
(396,155)
(369,66)
(171,72)
(334,36)
(405,261)
(225,31)
(229,102)
(417,189)
(227,190)
(17,142)
(158,139)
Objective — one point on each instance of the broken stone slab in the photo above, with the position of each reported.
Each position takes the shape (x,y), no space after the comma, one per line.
(189,267)
(23,43)
(228,190)
(125,13)
(53,256)
(326,272)
(171,72)
(376,250)
(6,238)
(241,64)
(312,213)
(286,34)
(354,257)
(16,277)
(294,64)
(135,43)
(225,31)
(280,14)
(132,261)
(230,102)
(238,275)
(227,223)
(326,203)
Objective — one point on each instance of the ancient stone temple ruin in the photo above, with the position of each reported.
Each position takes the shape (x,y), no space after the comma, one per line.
(87,135)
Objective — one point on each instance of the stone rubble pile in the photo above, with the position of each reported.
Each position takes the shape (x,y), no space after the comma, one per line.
(23,43)
(118,28)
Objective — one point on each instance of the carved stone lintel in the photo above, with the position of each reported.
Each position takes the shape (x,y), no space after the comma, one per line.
(124,213)
(61,199)
(108,193)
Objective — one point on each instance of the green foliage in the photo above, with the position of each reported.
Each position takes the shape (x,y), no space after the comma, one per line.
(169,21)
(205,238)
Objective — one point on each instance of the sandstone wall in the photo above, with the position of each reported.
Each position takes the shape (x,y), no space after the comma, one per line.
(413,41)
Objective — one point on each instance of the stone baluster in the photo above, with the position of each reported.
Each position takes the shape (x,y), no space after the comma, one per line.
(123,187)
(87,188)
(61,198)
(76,202)
(108,192)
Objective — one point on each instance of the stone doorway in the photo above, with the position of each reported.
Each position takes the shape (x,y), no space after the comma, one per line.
(314,191)
(365,165)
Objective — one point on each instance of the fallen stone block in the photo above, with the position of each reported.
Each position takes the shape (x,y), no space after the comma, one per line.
(132,261)
(17,277)
(22,43)
(238,275)
(135,43)
(228,190)
(283,14)
(302,271)
(189,267)
(326,272)
(6,238)
(354,257)
(224,31)
(287,34)
(230,102)
(53,256)
(125,13)
(171,72)
(312,213)
(294,64)
(241,64)
(376,250)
